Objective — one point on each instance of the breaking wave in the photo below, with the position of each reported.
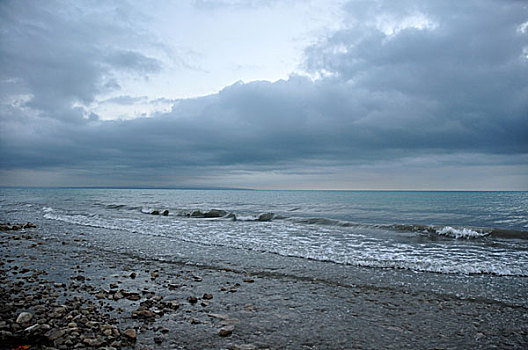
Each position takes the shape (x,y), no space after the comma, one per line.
(322,239)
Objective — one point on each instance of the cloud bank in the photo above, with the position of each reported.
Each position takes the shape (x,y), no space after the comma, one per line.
(420,95)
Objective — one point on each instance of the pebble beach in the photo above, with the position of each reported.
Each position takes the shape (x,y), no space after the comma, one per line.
(60,294)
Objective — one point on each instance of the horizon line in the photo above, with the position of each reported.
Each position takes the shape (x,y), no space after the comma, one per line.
(220,188)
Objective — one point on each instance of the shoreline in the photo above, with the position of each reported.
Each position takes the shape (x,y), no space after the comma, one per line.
(82,298)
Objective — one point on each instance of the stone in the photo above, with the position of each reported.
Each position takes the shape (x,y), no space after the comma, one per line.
(207,296)
(130,333)
(32,328)
(159,339)
(192,299)
(226,331)
(244,347)
(173,304)
(132,275)
(115,344)
(133,296)
(24,317)
(249,280)
(165,213)
(215,213)
(54,334)
(155,212)
(5,334)
(60,310)
(218,316)
(197,278)
(141,313)
(197,213)
(266,217)
(93,341)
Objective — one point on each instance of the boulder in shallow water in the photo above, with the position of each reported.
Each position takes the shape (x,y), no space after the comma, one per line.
(197,214)
(215,213)
(155,212)
(266,217)
(165,213)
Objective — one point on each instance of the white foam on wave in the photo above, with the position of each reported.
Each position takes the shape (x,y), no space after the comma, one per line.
(47,209)
(460,233)
(82,220)
(246,218)
(349,246)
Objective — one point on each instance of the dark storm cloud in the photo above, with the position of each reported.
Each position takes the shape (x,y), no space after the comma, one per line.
(444,89)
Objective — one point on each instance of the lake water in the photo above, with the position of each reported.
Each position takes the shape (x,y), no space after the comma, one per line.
(468,243)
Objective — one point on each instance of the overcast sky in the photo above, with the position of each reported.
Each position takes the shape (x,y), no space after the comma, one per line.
(321,94)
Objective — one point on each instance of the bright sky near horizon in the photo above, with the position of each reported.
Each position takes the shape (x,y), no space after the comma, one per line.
(318,94)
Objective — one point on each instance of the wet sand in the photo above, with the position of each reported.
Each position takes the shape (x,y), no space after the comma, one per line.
(79,297)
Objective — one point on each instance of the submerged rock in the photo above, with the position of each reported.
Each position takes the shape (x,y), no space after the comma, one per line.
(165,213)
(133,296)
(225,331)
(173,304)
(245,347)
(155,212)
(159,339)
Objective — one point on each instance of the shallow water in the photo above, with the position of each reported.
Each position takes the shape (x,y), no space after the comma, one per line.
(472,244)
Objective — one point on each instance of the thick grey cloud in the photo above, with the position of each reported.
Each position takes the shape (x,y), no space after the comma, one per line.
(429,84)
(60,54)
